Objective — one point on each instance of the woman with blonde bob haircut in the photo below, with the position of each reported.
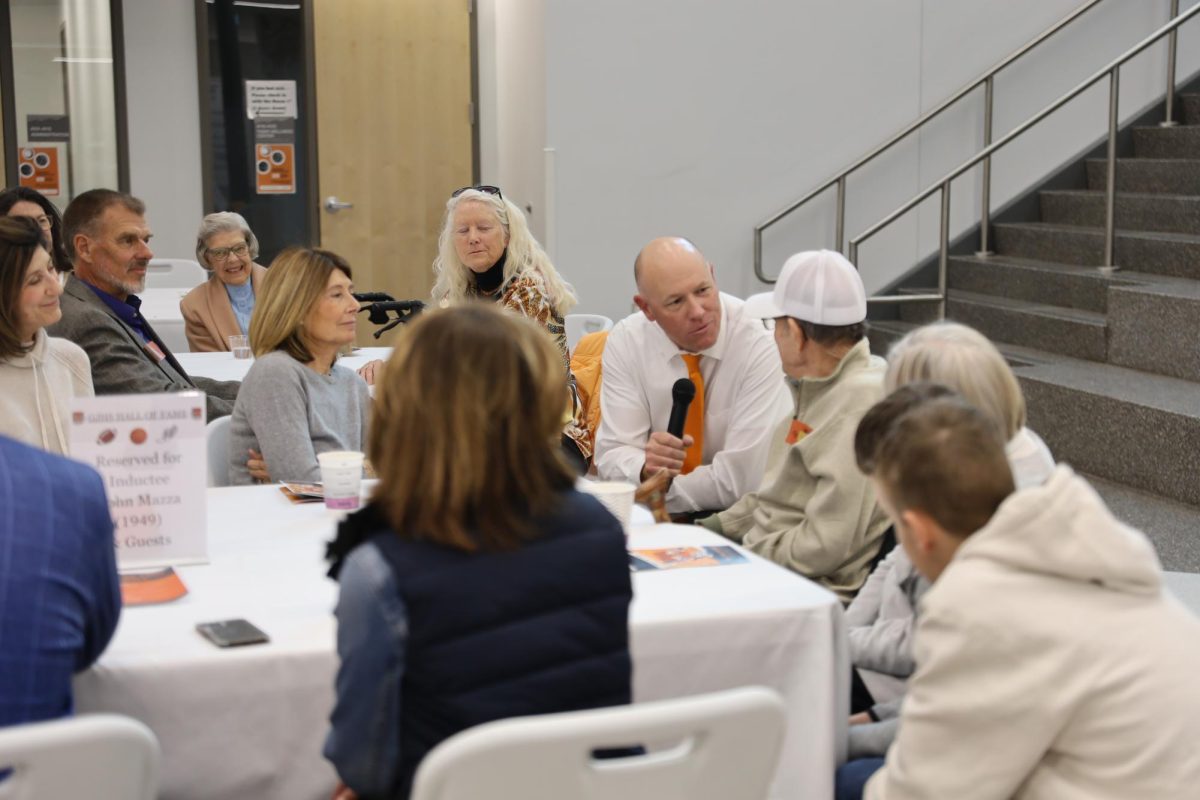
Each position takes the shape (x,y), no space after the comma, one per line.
(477,584)
(965,360)
(295,402)
(880,620)
(486,251)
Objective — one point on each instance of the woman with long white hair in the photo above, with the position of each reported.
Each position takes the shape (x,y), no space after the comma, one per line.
(486,251)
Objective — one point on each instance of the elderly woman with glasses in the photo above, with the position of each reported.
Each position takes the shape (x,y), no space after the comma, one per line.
(22,201)
(221,306)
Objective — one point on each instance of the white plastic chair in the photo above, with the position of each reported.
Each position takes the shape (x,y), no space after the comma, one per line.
(174,273)
(579,325)
(718,746)
(103,756)
(216,435)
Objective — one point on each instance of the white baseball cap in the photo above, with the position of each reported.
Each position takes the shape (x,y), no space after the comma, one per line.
(817,286)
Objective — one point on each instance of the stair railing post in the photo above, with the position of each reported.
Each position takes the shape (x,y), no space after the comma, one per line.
(852,254)
(1169,121)
(840,233)
(944,249)
(986,201)
(758,234)
(1110,192)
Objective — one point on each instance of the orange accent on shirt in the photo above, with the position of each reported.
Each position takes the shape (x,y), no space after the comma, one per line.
(797,431)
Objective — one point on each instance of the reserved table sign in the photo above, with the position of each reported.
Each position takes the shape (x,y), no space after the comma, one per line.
(150,450)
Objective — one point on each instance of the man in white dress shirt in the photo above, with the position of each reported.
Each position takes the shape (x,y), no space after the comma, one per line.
(686,328)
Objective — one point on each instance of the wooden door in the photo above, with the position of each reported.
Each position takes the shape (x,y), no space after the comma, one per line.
(393,92)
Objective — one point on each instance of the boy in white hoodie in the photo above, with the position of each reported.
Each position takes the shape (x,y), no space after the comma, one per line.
(1050,662)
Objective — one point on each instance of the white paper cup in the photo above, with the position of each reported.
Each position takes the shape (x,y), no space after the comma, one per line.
(341,476)
(616,496)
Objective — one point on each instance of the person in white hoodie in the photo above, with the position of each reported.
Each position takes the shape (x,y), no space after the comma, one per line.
(1051,663)
(38,374)
(881,619)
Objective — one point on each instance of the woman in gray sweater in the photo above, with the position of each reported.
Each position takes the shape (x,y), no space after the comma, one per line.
(295,401)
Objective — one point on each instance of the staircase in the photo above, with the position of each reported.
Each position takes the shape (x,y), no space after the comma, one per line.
(1109,363)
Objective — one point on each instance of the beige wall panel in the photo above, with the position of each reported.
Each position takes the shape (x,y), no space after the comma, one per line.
(393,86)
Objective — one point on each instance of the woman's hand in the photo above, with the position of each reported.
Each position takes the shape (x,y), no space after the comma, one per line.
(257,467)
(371,371)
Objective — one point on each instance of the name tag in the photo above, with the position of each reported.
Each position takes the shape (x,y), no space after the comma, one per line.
(156,351)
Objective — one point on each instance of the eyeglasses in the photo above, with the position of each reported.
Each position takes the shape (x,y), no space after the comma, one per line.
(486,189)
(222,253)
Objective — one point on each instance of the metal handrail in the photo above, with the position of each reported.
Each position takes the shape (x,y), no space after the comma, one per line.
(1113,72)
(987,80)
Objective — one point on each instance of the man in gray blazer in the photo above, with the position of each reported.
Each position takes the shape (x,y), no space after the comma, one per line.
(108,241)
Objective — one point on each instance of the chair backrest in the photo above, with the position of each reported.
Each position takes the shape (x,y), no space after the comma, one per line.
(578,325)
(99,755)
(217,436)
(174,273)
(708,747)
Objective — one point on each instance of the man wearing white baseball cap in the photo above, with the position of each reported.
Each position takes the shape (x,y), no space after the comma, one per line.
(815,512)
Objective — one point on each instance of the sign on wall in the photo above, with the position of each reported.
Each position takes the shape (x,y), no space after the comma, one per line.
(275,169)
(274,155)
(48,128)
(270,99)
(37,168)
(150,450)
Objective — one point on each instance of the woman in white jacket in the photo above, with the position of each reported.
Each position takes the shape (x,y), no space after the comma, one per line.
(881,619)
(38,374)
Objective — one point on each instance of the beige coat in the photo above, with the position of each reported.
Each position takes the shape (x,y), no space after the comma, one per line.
(816,513)
(208,315)
(1051,665)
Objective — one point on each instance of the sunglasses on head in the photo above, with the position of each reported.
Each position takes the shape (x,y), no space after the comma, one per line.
(486,189)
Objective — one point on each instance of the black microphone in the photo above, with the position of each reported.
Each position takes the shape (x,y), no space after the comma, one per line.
(682,393)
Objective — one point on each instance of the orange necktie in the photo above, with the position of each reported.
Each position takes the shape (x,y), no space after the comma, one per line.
(695,418)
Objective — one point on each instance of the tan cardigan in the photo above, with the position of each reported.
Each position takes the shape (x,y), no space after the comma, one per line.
(208,315)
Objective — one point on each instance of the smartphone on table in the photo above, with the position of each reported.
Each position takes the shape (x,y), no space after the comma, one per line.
(231,633)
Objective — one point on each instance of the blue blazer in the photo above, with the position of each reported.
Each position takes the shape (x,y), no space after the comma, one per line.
(59,592)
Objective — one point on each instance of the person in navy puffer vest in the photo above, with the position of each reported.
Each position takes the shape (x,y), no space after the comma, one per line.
(477,584)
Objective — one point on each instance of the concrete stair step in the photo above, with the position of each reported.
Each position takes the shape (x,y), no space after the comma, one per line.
(1147,175)
(1155,326)
(1133,428)
(1178,213)
(1068,331)
(1156,252)
(1170,525)
(1034,281)
(1187,108)
(1182,141)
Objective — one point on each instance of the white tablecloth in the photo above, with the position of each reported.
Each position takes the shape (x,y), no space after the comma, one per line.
(160,307)
(250,722)
(224,367)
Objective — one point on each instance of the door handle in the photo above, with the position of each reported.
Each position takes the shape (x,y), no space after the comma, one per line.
(333,205)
